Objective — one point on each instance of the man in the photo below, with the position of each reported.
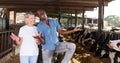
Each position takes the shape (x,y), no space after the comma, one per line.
(49,28)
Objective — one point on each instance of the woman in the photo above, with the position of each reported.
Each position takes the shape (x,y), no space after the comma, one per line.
(28,39)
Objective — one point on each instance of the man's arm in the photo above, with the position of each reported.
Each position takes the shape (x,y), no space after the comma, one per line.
(69,31)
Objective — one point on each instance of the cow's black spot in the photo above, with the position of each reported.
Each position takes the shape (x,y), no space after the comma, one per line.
(118,44)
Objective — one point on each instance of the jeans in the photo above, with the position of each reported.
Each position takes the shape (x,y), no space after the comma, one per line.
(68,48)
(28,59)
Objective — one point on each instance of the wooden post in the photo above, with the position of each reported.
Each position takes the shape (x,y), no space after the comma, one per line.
(71,20)
(83,19)
(59,18)
(14,17)
(7,12)
(100,15)
(76,18)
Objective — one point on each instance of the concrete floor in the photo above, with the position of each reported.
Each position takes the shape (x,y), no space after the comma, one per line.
(14,59)
(81,55)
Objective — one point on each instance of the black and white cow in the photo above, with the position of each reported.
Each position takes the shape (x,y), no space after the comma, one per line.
(102,49)
(115,53)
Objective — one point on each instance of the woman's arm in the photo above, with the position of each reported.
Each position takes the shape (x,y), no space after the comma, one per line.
(40,40)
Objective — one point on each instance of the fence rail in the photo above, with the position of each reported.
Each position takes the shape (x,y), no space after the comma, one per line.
(5,43)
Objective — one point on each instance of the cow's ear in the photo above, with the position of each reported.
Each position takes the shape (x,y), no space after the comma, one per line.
(118,44)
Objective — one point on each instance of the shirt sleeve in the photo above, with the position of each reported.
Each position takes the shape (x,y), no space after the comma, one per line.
(20,34)
(39,29)
(58,25)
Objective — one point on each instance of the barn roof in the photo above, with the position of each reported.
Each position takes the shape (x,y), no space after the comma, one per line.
(52,6)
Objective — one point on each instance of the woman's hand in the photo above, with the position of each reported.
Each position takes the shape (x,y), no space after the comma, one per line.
(14,37)
(38,38)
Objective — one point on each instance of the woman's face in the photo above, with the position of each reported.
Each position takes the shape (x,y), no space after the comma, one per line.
(30,20)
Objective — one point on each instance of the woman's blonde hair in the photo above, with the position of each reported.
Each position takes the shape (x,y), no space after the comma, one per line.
(28,14)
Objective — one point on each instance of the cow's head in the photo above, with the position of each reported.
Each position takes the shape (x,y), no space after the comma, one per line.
(114,44)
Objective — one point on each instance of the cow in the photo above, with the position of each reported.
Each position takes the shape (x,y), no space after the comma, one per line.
(102,49)
(115,53)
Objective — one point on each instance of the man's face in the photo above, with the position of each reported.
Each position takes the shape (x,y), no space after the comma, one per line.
(42,15)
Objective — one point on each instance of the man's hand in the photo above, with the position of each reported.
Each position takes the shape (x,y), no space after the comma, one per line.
(77,29)
(39,38)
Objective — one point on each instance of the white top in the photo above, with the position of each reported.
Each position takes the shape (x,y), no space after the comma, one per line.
(28,46)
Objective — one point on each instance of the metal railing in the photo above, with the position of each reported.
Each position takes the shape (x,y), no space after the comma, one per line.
(5,43)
